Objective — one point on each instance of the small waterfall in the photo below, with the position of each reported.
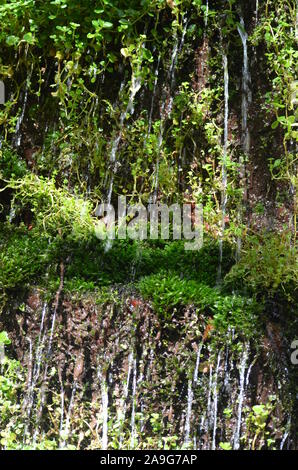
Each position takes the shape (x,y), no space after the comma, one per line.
(167,105)
(206,13)
(133,408)
(65,432)
(246,93)
(30,366)
(105,409)
(209,410)
(245,138)
(241,396)
(257,11)
(18,136)
(35,366)
(49,349)
(249,372)
(123,405)
(187,439)
(156,73)
(62,409)
(12,214)
(286,434)
(134,88)
(195,375)
(226,366)
(215,400)
(191,383)
(224,164)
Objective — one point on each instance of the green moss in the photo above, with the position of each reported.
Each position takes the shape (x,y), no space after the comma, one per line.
(268,267)
(23,256)
(168,291)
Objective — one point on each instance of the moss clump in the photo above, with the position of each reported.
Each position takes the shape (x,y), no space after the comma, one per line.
(168,291)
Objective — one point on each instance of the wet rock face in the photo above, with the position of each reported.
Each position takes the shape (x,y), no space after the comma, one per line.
(115,374)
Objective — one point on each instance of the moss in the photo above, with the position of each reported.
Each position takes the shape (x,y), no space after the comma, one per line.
(168,291)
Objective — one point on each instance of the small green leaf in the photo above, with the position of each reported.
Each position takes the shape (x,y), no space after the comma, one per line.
(28,37)
(4,339)
(12,40)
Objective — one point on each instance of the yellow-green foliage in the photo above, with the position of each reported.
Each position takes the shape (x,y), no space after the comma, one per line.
(55,210)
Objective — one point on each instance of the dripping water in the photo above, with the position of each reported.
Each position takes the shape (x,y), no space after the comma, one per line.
(65,432)
(224,164)
(286,434)
(18,135)
(12,214)
(133,410)
(245,137)
(208,413)
(105,409)
(195,375)
(206,13)
(215,399)
(122,410)
(241,396)
(167,105)
(188,413)
(156,73)
(134,88)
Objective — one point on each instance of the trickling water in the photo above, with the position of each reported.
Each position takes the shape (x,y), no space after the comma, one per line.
(249,372)
(30,367)
(134,88)
(245,137)
(172,69)
(136,83)
(257,10)
(167,105)
(68,416)
(105,409)
(133,409)
(27,400)
(62,410)
(122,410)
(208,414)
(246,93)
(188,413)
(241,396)
(286,434)
(224,163)
(18,135)
(185,24)
(153,96)
(195,375)
(215,399)
(12,214)
(206,13)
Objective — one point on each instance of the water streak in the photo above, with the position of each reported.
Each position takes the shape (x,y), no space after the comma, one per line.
(241,396)
(134,88)
(206,13)
(188,413)
(68,416)
(133,410)
(18,135)
(224,165)
(245,137)
(215,400)
(167,105)
(105,408)
(153,96)
(123,405)
(195,375)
